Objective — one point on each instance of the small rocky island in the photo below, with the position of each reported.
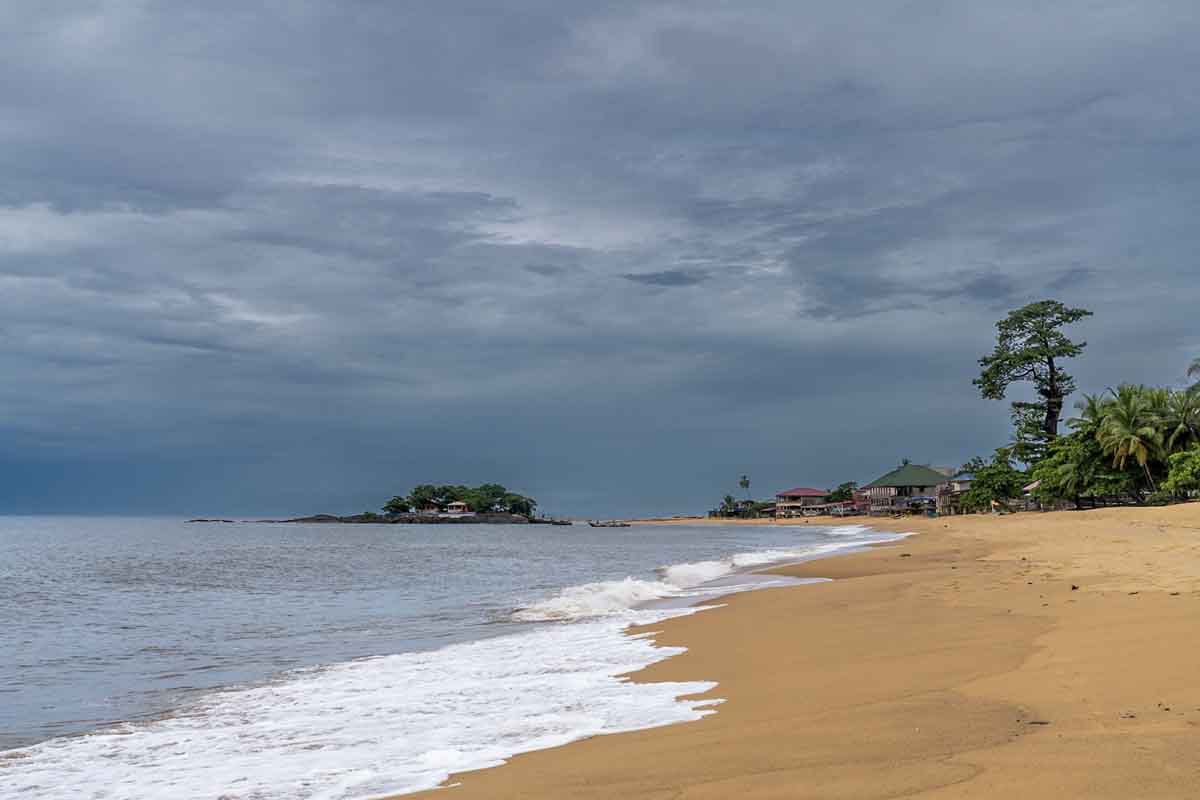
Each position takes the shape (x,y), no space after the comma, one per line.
(427,518)
(427,504)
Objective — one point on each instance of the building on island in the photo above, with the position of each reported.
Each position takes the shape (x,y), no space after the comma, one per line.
(457,507)
(793,502)
(904,486)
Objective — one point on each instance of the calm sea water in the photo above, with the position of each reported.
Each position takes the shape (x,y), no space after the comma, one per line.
(379,658)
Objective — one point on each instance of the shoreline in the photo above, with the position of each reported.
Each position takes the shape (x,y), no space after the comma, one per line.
(1041,654)
(468,704)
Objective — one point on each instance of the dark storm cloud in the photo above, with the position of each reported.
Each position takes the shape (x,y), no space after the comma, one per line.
(545,270)
(263,255)
(668,277)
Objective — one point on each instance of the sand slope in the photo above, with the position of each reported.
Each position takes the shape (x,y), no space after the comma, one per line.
(959,663)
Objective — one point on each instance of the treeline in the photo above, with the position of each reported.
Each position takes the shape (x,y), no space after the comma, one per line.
(1139,442)
(1136,444)
(482,499)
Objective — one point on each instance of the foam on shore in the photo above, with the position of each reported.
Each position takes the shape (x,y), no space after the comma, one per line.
(378,726)
(402,723)
(609,598)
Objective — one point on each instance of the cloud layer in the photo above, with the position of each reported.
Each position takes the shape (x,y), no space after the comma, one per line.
(273,257)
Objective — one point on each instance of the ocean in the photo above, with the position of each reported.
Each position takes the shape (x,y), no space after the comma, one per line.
(148,658)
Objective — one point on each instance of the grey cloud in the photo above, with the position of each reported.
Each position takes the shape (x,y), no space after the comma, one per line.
(545,270)
(1072,279)
(668,277)
(399,240)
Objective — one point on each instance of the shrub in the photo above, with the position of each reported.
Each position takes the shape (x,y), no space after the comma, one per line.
(1161,498)
(1183,475)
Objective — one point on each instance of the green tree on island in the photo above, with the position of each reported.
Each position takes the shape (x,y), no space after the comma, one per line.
(397,505)
(744,483)
(486,498)
(1194,372)
(1030,347)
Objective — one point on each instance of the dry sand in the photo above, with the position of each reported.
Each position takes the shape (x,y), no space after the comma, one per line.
(960,663)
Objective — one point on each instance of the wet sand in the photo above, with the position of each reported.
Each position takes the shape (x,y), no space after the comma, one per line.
(960,663)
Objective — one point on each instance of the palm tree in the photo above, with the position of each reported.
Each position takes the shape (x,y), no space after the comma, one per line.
(744,482)
(1158,399)
(1194,372)
(1182,421)
(1092,409)
(1073,477)
(1130,429)
(729,506)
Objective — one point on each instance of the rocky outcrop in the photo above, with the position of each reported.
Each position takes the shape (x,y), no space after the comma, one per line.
(410,519)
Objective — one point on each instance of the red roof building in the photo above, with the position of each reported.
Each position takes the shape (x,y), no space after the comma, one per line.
(804,492)
(792,502)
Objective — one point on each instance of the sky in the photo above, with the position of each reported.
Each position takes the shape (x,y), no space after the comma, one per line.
(291,256)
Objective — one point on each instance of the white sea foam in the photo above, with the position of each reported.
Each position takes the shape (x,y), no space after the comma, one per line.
(682,576)
(850,530)
(609,598)
(384,725)
(403,723)
(596,600)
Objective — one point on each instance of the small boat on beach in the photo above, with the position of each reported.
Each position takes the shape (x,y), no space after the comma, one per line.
(612,523)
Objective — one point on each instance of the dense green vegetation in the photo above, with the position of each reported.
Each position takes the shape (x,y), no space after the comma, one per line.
(1183,473)
(842,493)
(1138,442)
(730,507)
(996,480)
(488,497)
(1130,444)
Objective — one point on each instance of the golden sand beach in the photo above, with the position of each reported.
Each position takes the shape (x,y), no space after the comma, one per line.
(1025,656)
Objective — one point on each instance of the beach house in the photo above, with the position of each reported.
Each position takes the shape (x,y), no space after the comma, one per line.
(950,493)
(793,502)
(908,483)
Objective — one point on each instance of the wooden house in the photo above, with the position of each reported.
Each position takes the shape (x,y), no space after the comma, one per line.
(793,502)
(896,490)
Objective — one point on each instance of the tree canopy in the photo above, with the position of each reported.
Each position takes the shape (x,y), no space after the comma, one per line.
(1125,442)
(1135,442)
(842,493)
(1183,476)
(487,497)
(997,480)
(1030,347)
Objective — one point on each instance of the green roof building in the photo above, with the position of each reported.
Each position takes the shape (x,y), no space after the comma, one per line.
(895,490)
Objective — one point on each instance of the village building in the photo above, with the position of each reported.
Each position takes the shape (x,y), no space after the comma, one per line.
(794,502)
(904,486)
(861,501)
(458,507)
(949,496)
